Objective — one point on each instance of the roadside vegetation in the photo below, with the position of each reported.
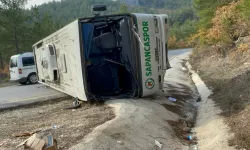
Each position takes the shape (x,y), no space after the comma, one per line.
(4,75)
(221,57)
(223,23)
(20,27)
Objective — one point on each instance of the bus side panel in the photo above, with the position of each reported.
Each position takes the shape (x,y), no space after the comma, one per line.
(66,43)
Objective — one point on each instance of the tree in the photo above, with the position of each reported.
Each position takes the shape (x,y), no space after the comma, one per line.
(206,10)
(123,8)
(12,20)
(21,28)
(42,25)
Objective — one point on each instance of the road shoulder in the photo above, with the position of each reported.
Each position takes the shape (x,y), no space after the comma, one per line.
(31,101)
(210,128)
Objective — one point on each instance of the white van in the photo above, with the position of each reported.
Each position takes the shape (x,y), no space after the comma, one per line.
(23,69)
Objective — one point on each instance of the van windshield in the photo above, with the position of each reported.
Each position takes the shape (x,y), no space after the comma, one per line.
(28,61)
(13,62)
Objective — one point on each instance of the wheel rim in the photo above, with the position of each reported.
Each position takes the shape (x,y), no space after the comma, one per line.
(33,79)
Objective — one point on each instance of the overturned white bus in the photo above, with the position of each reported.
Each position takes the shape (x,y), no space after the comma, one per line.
(102,57)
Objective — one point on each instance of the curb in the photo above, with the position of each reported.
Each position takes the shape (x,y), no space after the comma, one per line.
(32,101)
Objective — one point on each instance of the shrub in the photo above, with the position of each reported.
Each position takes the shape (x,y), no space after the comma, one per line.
(173,43)
(4,73)
(229,23)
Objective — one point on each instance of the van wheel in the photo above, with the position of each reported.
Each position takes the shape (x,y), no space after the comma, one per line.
(32,78)
(23,83)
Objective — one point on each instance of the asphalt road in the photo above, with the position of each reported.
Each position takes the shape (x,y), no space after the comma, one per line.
(21,93)
(174,53)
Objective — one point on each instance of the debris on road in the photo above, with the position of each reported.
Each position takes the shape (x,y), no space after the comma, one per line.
(184,69)
(51,115)
(76,104)
(40,141)
(54,126)
(172,99)
(157,143)
(22,134)
(189,138)
(120,142)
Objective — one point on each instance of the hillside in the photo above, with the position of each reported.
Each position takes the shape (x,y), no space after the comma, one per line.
(38,22)
(167,4)
(67,10)
(221,57)
(181,13)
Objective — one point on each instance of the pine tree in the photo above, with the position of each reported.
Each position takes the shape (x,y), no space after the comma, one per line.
(12,20)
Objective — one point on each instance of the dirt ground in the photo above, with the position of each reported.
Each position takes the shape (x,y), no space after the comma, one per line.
(141,122)
(227,73)
(134,123)
(71,125)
